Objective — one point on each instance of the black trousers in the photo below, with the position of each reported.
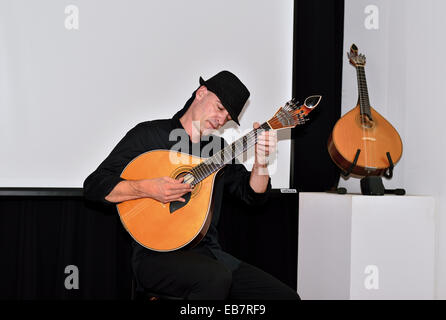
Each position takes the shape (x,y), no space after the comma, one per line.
(200,276)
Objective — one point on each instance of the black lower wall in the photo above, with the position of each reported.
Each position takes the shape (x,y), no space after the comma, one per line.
(41,235)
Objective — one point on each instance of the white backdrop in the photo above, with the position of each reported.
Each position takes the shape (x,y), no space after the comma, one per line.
(403,42)
(74,80)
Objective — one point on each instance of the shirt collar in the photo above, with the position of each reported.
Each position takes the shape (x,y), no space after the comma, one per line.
(176,118)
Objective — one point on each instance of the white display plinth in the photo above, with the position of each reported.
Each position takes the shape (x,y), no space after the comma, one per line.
(365,247)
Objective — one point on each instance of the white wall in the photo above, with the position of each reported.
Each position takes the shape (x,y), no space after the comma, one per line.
(68,96)
(406,80)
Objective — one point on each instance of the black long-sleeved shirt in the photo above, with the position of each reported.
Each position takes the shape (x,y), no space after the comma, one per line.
(154,135)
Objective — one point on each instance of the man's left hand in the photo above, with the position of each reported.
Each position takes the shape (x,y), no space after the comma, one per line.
(266,144)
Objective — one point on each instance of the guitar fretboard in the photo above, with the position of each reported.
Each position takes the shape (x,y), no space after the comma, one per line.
(364,101)
(226,155)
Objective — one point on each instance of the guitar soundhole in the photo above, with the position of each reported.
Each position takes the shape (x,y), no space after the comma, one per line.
(184,172)
(366,122)
(188,178)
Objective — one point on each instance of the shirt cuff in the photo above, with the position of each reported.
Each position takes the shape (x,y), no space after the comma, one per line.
(256,198)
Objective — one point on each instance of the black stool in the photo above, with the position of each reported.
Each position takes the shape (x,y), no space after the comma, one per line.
(139,293)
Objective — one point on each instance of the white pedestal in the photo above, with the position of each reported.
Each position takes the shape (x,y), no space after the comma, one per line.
(365,247)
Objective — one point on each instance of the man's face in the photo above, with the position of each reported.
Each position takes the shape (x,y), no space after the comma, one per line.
(212,115)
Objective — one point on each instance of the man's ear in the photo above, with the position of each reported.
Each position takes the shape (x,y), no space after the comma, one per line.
(201,92)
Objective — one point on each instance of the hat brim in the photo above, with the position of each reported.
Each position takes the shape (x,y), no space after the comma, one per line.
(227,107)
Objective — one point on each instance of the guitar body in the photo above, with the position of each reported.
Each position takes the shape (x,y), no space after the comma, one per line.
(374,138)
(151,223)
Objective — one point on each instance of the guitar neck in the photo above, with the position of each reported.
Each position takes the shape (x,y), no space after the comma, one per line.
(227,154)
(363,98)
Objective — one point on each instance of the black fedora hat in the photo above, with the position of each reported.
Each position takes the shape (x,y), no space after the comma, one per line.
(232,93)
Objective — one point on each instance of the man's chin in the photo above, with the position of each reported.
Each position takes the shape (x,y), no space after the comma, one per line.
(208,131)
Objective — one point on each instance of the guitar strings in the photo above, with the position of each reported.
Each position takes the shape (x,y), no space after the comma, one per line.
(226,155)
(371,138)
(212,164)
(201,171)
(218,160)
(209,166)
(362,114)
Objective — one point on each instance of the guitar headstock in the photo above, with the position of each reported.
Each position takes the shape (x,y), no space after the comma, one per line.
(358,60)
(292,114)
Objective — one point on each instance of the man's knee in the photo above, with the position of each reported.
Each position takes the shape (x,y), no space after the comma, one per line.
(214,285)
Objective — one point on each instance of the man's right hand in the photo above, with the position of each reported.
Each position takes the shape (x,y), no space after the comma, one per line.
(164,189)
